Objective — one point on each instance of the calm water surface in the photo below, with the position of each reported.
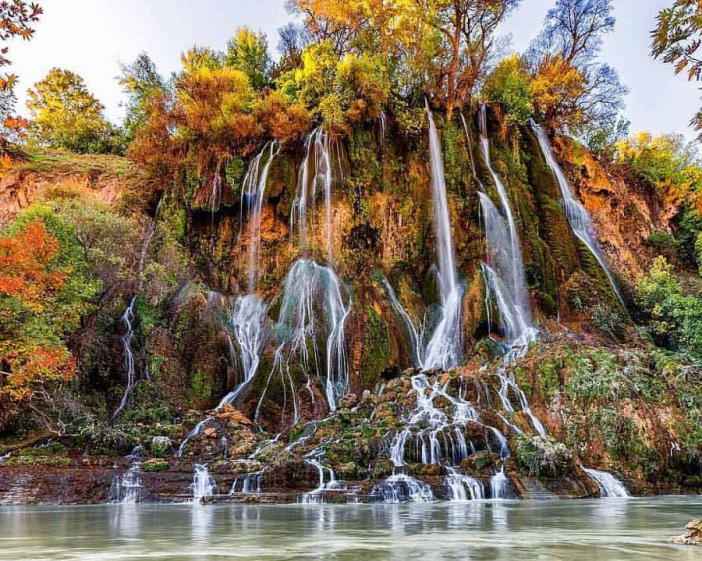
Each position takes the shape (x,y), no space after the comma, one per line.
(620,529)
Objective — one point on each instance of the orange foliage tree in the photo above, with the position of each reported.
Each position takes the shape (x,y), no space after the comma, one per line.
(30,357)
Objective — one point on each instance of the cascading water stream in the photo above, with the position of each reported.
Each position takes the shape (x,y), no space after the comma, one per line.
(578,218)
(462,488)
(312,316)
(248,321)
(444,348)
(203,485)
(127,488)
(316,176)
(128,318)
(252,197)
(610,486)
(503,245)
(415,335)
(504,279)
(500,488)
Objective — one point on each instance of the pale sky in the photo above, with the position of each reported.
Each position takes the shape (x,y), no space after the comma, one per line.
(91,37)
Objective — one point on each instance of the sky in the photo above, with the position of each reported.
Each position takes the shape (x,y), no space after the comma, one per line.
(91,37)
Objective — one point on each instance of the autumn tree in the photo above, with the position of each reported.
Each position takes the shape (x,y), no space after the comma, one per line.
(677,40)
(572,90)
(442,45)
(66,115)
(17,19)
(247,51)
(30,357)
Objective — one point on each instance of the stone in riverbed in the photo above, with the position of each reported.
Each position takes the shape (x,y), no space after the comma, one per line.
(693,536)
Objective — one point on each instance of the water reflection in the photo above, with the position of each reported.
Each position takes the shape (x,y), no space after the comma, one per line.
(478,530)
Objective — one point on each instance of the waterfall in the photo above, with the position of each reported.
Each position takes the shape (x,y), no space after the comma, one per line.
(444,347)
(610,486)
(127,488)
(462,488)
(416,336)
(312,316)
(383,128)
(250,483)
(400,488)
(216,194)
(500,487)
(316,496)
(317,174)
(578,218)
(248,321)
(252,196)
(504,255)
(504,280)
(197,430)
(203,484)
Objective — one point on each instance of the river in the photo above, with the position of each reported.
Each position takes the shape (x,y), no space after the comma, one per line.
(573,530)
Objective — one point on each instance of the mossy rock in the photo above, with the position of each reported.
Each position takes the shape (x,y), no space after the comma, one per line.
(155,465)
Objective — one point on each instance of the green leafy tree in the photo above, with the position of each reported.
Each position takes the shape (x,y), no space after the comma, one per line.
(248,51)
(141,82)
(509,85)
(66,115)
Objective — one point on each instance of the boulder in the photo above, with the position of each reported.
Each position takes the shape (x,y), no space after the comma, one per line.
(692,536)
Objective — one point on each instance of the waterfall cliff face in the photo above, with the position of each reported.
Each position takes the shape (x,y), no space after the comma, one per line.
(383,251)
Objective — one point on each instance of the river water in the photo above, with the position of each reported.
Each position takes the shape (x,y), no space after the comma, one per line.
(606,529)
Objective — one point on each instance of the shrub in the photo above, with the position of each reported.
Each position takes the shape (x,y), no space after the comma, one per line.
(676,319)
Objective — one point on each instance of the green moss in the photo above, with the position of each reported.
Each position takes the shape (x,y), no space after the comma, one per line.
(376,347)
(201,384)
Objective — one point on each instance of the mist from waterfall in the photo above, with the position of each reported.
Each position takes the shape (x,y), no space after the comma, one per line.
(578,217)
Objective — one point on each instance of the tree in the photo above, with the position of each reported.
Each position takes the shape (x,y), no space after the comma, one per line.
(509,84)
(466,30)
(291,43)
(29,353)
(16,20)
(677,39)
(443,44)
(140,81)
(248,51)
(573,91)
(668,163)
(66,115)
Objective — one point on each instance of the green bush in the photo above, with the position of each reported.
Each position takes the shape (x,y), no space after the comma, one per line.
(675,318)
